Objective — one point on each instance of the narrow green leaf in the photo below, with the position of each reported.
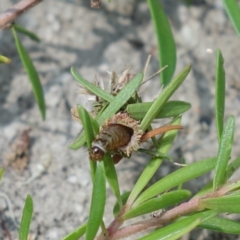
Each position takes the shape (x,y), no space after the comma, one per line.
(180,176)
(180,227)
(97,203)
(228,204)
(166,44)
(79,142)
(174,231)
(170,109)
(224,152)
(26,219)
(221,225)
(32,74)
(116,208)
(4,59)
(163,98)
(91,87)
(1,173)
(232,167)
(26,32)
(157,203)
(220,94)
(77,233)
(112,178)
(121,98)
(233,10)
(87,125)
(90,126)
(154,164)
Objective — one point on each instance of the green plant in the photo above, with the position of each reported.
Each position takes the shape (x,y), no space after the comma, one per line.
(202,210)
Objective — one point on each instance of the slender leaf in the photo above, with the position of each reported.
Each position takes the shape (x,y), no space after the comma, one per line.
(175,230)
(76,234)
(154,204)
(89,125)
(86,122)
(224,152)
(112,178)
(180,176)
(26,32)
(233,10)
(26,219)
(4,59)
(122,97)
(116,208)
(79,142)
(32,74)
(162,99)
(180,227)
(97,203)
(220,94)
(222,204)
(91,87)
(1,173)
(232,167)
(170,109)
(221,225)
(166,44)
(154,164)
(232,188)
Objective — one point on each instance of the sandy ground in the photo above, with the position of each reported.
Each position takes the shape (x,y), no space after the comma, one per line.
(117,36)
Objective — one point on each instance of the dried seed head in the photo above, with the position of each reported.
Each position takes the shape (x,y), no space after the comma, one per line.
(124,119)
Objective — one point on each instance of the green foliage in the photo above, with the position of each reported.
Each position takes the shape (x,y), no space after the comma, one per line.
(162,99)
(1,173)
(170,109)
(221,225)
(32,74)
(166,45)
(153,164)
(26,32)
(26,219)
(4,59)
(224,153)
(76,234)
(220,93)
(218,196)
(97,203)
(213,199)
(233,10)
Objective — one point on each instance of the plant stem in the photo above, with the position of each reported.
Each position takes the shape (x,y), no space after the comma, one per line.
(7,17)
(183,209)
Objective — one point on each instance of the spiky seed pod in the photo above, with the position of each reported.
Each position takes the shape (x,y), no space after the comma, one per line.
(119,134)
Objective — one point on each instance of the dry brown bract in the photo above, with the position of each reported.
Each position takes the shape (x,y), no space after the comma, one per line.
(19,157)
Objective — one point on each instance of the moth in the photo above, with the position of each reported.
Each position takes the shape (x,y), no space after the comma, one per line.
(122,135)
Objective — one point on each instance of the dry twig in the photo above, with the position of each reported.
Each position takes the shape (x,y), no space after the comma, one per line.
(9,16)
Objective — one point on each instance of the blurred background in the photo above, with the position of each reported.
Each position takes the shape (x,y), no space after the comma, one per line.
(118,35)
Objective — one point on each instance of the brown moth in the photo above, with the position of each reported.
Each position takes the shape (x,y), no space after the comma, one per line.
(122,135)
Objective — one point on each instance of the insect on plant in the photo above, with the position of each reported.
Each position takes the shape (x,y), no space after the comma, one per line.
(122,135)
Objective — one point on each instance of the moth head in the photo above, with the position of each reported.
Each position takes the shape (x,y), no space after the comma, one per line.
(96,152)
